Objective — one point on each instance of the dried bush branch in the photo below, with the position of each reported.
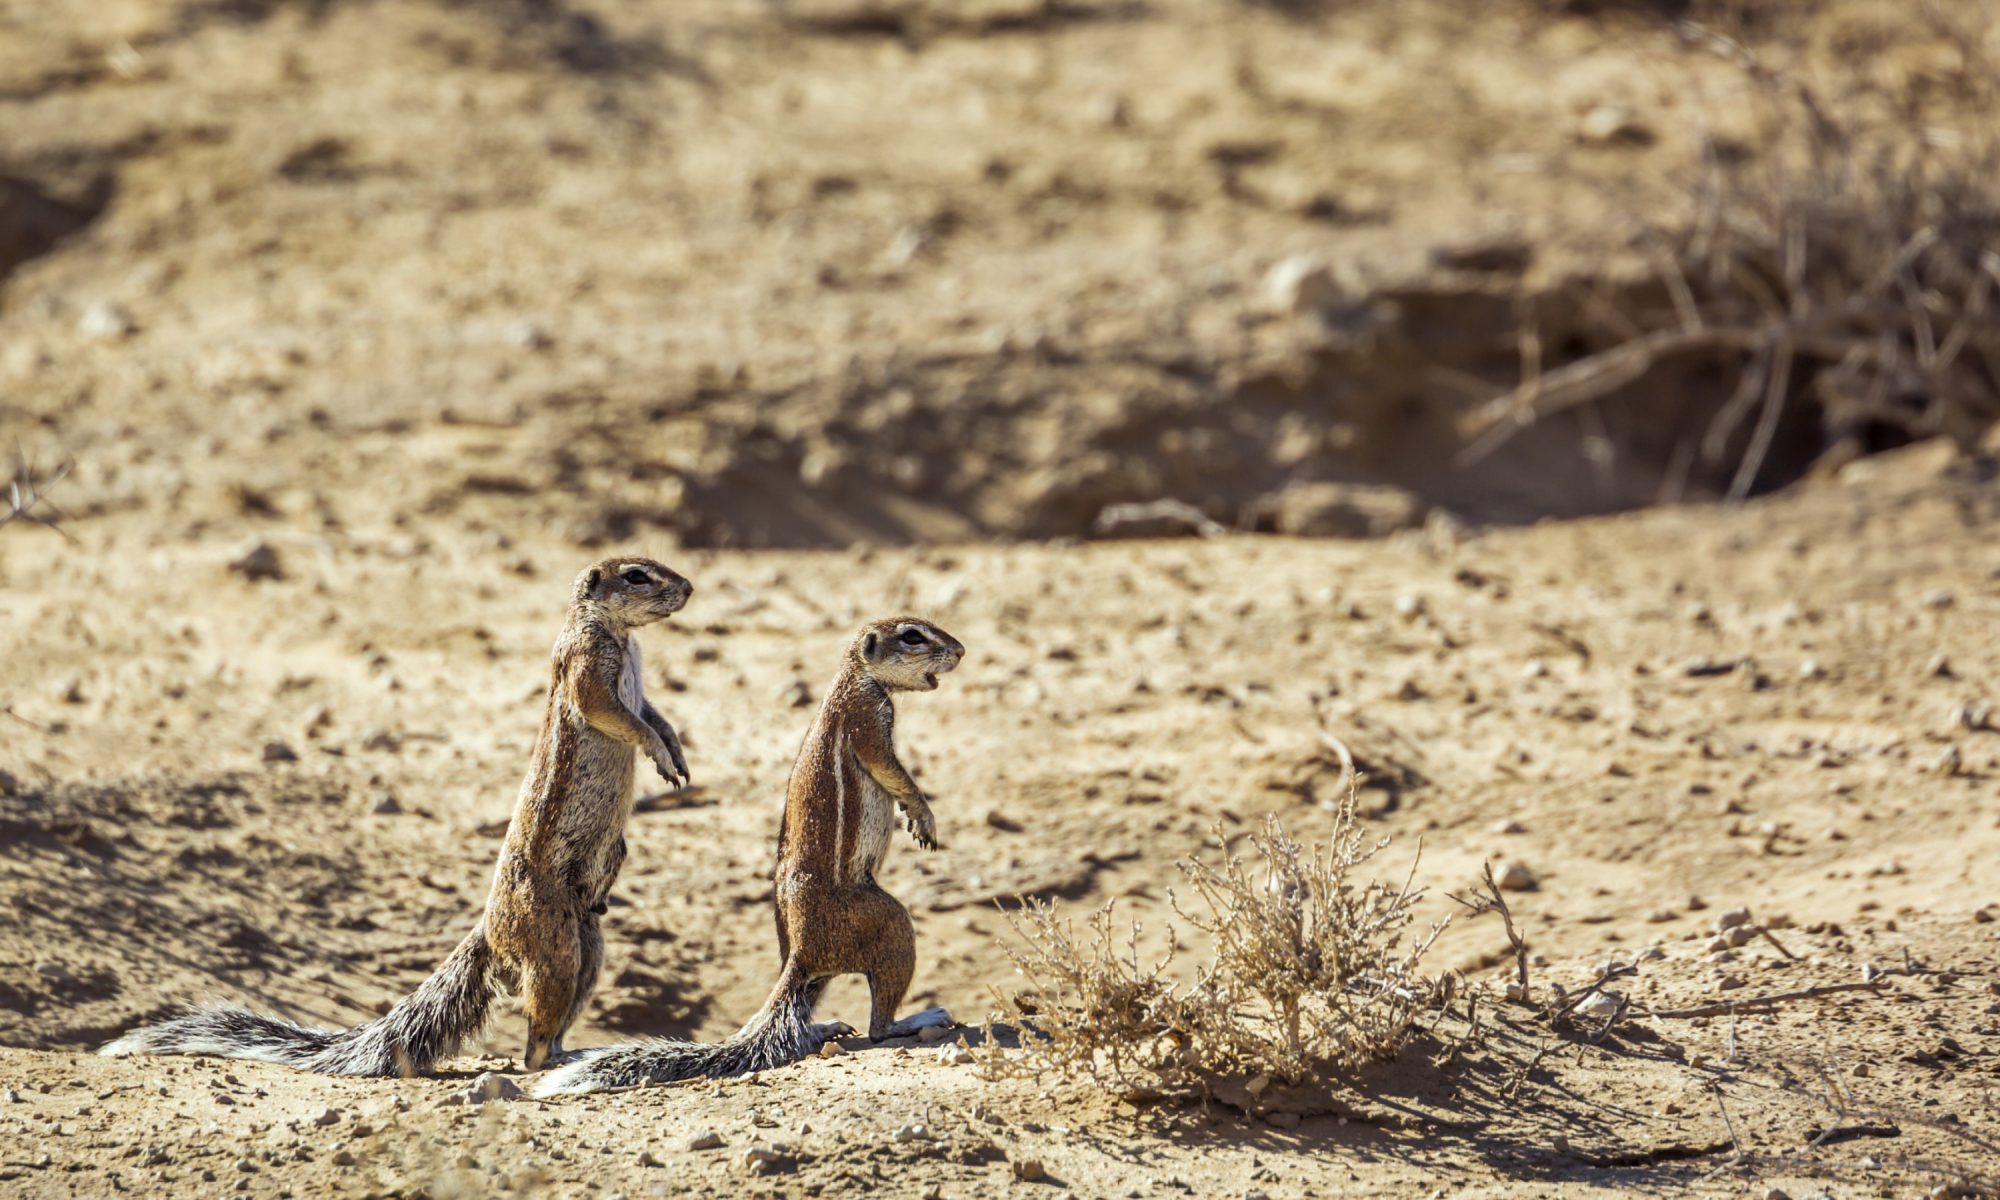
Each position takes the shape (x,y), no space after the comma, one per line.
(1309,976)
(24,496)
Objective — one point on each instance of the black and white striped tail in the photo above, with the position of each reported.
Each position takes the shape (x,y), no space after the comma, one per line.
(781,1032)
(427,1025)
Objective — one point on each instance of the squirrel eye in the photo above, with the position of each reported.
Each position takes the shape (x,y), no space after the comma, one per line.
(912,637)
(636,577)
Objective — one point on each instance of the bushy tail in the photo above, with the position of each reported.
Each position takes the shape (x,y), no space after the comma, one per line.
(780,1033)
(425,1026)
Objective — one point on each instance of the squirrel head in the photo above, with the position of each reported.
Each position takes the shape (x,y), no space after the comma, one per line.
(632,591)
(905,653)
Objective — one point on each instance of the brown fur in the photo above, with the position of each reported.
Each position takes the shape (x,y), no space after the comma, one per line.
(833,919)
(566,840)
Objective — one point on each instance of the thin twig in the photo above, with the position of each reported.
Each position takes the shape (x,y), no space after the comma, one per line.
(1753,1002)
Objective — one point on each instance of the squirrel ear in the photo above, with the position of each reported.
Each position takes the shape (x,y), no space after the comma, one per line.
(868,646)
(591,581)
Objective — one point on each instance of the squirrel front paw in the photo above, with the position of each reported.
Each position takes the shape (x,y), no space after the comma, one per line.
(922,825)
(671,766)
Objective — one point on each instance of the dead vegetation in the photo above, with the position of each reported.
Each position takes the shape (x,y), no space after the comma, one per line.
(1310,973)
(1851,270)
(27,499)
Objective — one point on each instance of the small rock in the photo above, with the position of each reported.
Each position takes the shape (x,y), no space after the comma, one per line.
(9,785)
(762,1160)
(1613,125)
(1938,667)
(259,562)
(1810,669)
(1939,598)
(342,1158)
(277,752)
(912,1133)
(795,694)
(931,1035)
(646,1159)
(1535,668)
(1860,1071)
(831,1049)
(245,1165)
(1729,983)
(1343,510)
(1949,762)
(1256,1084)
(329,1116)
(1493,254)
(954,1055)
(491,1085)
(708,1139)
(1028,1170)
(1601,1005)
(104,321)
(386,805)
(1974,718)
(999,820)
(1742,935)
(1282,1120)
(1731,918)
(1509,826)
(154,1157)
(1302,283)
(528,335)
(1514,877)
(1776,1193)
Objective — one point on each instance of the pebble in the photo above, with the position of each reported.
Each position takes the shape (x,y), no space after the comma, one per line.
(386,805)
(831,1049)
(1028,1170)
(1302,283)
(154,1157)
(1729,983)
(1282,1120)
(1731,918)
(954,1055)
(277,752)
(795,694)
(528,335)
(1742,935)
(760,1160)
(1939,667)
(1939,598)
(490,1085)
(1509,826)
(1948,762)
(259,561)
(912,1133)
(646,1159)
(330,1116)
(1613,125)
(1602,1004)
(708,1139)
(104,321)
(931,1035)
(1776,1194)
(1810,669)
(1514,877)
(1535,668)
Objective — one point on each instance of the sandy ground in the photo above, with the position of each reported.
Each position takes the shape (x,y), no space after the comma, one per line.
(844,310)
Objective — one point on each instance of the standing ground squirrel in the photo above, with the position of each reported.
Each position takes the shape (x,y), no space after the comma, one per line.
(833,918)
(563,850)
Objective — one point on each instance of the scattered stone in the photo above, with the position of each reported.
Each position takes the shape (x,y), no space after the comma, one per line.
(1729,983)
(1776,1193)
(1810,669)
(954,1055)
(277,752)
(1302,283)
(795,694)
(1613,125)
(154,1157)
(1939,598)
(1939,667)
(707,1139)
(1282,1120)
(1602,1005)
(259,562)
(1028,1170)
(1742,935)
(1949,762)
(1514,877)
(1509,826)
(831,1049)
(912,1133)
(1535,668)
(528,335)
(1731,918)
(1973,718)
(646,1159)
(1344,510)
(1860,1071)
(762,1160)
(104,321)
(386,805)
(1493,254)
(330,1116)
(491,1085)
(245,1165)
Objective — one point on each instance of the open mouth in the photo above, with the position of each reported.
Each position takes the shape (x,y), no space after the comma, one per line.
(930,679)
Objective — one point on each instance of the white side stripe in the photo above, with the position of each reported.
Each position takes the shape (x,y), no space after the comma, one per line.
(840,791)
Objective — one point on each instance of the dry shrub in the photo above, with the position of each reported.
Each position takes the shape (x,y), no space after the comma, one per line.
(1848,261)
(1310,975)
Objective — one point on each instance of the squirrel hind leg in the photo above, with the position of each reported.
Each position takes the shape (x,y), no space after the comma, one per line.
(891,962)
(549,994)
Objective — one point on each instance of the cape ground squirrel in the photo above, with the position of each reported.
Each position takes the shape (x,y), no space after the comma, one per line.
(563,850)
(833,919)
